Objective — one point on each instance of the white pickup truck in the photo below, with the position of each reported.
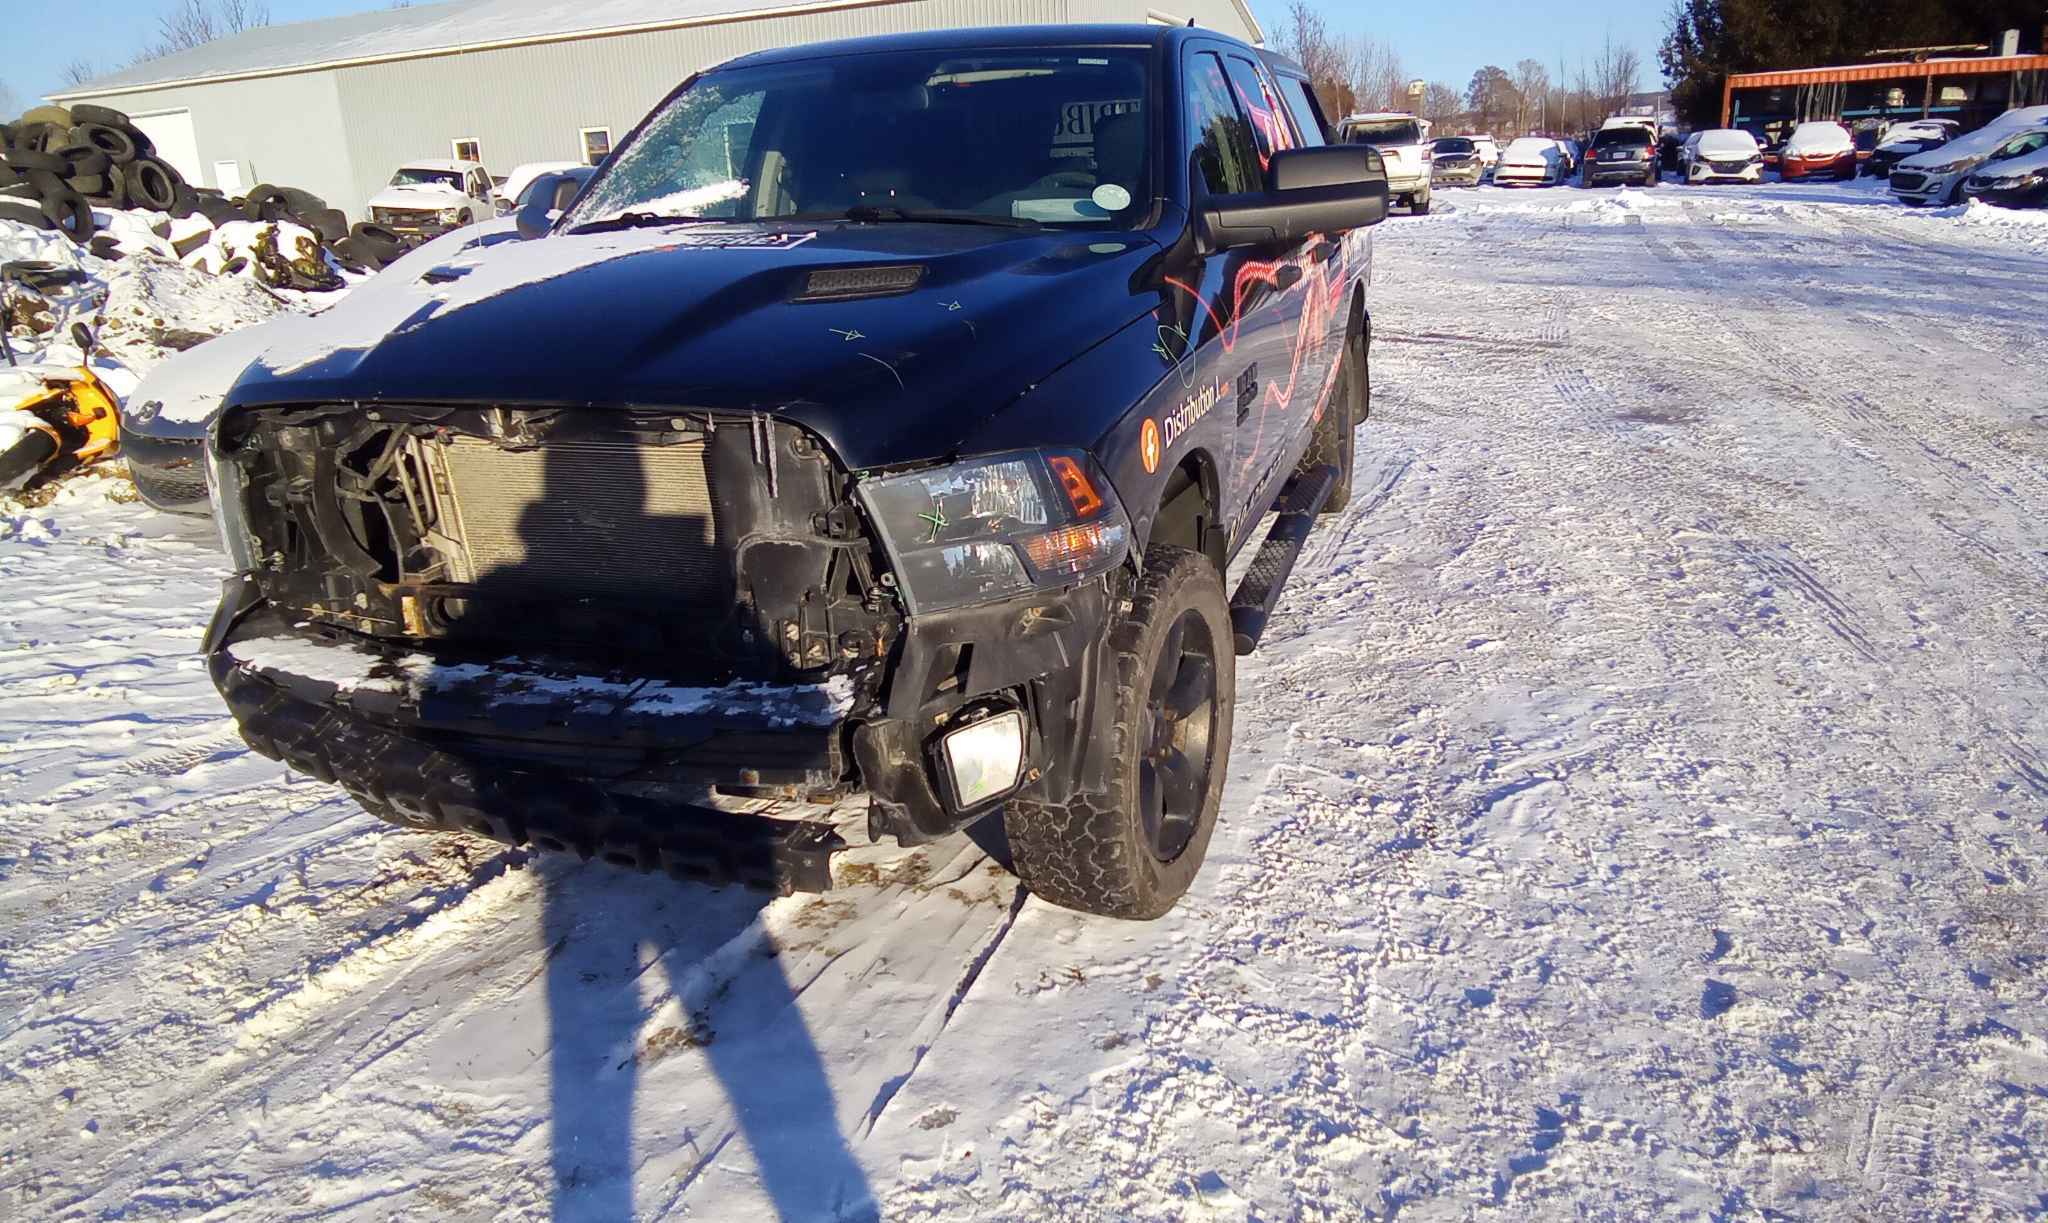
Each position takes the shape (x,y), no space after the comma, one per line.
(1403,143)
(426,199)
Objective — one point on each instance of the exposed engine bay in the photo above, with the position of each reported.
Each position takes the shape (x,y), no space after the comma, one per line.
(700,547)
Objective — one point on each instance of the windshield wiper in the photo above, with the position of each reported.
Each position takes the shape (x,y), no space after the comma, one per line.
(638,220)
(869,213)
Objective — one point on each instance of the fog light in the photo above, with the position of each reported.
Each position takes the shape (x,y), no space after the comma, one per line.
(986,758)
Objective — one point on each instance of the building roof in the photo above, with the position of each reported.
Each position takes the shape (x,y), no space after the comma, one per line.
(440,29)
(1959,66)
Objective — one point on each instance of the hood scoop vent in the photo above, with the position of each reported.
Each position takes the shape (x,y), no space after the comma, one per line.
(841,284)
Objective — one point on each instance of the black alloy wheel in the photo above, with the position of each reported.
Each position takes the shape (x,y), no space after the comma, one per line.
(1179,737)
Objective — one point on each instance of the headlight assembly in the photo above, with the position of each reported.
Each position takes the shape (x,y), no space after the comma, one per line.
(451,216)
(224,490)
(990,528)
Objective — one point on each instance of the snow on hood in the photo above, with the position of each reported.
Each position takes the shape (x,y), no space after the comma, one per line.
(1980,143)
(1727,142)
(183,393)
(419,195)
(1819,140)
(468,273)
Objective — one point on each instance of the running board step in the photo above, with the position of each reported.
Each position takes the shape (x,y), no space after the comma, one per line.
(1299,503)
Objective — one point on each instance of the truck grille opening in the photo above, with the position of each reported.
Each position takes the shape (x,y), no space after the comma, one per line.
(695,546)
(602,518)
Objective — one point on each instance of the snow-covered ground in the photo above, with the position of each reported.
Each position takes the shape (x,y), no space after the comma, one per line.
(1639,809)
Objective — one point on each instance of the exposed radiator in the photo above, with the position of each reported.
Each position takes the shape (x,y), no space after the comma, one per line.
(586,518)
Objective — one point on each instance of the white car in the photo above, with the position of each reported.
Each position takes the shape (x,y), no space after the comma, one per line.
(426,199)
(508,192)
(1532,161)
(1489,150)
(1721,155)
(1403,143)
(1936,176)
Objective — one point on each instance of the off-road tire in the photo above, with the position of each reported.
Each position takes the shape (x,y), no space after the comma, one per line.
(118,143)
(1335,440)
(376,241)
(152,184)
(1090,853)
(23,212)
(86,112)
(24,159)
(59,115)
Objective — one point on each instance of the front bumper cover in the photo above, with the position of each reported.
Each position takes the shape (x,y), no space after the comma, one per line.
(524,753)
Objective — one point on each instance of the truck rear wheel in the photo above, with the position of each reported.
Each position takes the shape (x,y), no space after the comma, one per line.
(1132,849)
(1335,441)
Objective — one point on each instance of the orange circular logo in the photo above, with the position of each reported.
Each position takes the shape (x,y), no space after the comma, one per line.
(1148,446)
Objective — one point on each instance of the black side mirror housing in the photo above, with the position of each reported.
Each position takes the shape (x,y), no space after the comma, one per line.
(1308,191)
(537,217)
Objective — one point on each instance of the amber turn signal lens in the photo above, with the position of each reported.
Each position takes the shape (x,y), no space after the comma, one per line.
(1074,483)
(1067,548)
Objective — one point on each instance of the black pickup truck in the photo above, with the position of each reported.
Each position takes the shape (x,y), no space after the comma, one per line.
(881,419)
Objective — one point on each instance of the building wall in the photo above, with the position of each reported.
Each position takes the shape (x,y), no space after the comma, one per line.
(285,129)
(527,103)
(339,133)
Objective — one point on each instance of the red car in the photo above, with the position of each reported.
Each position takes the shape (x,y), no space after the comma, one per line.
(1818,150)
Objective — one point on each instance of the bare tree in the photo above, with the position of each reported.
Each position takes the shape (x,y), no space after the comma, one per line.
(7,100)
(1378,77)
(1443,105)
(78,71)
(1305,36)
(1531,83)
(1615,72)
(194,23)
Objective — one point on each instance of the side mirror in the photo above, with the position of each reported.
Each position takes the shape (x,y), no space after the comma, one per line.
(538,216)
(1308,191)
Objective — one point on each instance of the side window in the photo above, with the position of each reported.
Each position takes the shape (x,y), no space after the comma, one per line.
(1224,150)
(1256,99)
(1308,117)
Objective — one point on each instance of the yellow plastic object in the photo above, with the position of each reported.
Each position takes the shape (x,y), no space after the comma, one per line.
(81,412)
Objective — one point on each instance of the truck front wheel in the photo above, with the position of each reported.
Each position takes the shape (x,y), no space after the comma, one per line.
(1130,850)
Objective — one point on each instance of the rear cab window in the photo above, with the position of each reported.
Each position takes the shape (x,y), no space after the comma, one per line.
(1308,117)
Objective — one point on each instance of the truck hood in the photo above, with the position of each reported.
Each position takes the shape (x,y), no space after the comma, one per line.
(419,197)
(919,335)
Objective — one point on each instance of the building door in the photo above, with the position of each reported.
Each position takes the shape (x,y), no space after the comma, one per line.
(177,144)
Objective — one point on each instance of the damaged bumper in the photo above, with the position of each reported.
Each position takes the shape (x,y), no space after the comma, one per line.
(525,750)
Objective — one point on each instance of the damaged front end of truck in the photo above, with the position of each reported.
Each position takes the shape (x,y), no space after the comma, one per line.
(566,626)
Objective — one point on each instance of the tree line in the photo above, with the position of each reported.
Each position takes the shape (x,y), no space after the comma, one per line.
(1710,39)
(1358,72)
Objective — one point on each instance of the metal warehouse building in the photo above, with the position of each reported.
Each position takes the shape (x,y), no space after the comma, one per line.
(335,106)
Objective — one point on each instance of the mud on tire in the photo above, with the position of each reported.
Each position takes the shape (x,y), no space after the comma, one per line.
(1095,852)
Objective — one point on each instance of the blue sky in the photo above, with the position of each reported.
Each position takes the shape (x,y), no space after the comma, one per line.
(1448,40)
(1440,40)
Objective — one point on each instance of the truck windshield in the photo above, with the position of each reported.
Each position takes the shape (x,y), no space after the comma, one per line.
(1382,132)
(415,176)
(1052,137)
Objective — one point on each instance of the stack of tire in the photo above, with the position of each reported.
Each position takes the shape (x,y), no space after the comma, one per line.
(58,163)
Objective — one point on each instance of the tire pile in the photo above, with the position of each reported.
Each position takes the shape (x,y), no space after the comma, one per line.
(59,163)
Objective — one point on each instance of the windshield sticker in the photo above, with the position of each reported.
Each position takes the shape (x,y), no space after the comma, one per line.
(1111,197)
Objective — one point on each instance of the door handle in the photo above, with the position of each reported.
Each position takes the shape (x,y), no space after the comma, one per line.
(1288,276)
(1324,251)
